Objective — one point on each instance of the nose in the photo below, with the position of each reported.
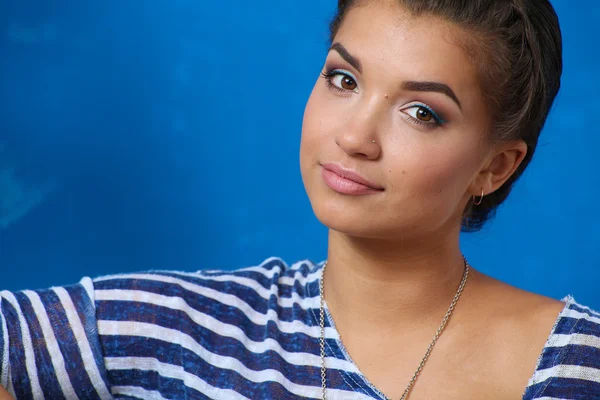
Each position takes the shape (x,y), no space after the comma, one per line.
(358,137)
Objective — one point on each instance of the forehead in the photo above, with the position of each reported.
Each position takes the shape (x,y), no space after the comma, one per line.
(393,43)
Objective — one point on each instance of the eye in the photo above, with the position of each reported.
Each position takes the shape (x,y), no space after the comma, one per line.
(341,81)
(422,114)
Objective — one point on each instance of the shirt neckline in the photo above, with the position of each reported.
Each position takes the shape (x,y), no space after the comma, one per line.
(567,300)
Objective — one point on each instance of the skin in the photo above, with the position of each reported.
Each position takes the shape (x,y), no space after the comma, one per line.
(394,260)
(4,395)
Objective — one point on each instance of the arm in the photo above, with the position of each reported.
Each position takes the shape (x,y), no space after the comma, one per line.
(49,345)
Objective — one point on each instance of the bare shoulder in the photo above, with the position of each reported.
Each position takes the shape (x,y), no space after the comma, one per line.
(513,326)
(514,305)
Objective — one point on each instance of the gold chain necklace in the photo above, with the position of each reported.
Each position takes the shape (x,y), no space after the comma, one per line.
(427,353)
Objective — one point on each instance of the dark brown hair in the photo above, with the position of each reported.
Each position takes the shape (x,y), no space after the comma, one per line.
(517,47)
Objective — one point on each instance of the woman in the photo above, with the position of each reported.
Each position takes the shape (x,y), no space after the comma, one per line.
(426,113)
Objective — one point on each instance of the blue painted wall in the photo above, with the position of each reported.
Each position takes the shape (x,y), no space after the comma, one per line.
(165,134)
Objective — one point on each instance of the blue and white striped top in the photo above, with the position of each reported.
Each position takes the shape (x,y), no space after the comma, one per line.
(248,334)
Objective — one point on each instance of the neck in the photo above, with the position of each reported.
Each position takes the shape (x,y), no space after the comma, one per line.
(381,285)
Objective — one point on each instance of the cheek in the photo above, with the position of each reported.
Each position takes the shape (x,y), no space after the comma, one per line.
(314,128)
(307,139)
(436,171)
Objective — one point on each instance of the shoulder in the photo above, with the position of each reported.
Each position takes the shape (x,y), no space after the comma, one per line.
(518,331)
(576,333)
(250,285)
(570,362)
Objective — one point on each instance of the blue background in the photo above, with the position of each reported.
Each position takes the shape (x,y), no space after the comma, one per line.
(165,134)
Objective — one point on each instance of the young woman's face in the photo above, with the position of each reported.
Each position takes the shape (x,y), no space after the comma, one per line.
(400,105)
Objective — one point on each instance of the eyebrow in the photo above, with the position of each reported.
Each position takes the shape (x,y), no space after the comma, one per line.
(431,87)
(350,59)
(413,86)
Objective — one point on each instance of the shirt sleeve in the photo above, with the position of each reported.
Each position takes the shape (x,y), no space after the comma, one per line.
(49,344)
(569,367)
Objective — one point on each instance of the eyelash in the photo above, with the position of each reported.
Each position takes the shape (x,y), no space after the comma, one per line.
(329,75)
(439,121)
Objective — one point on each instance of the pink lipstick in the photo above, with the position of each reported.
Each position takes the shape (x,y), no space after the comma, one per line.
(347,182)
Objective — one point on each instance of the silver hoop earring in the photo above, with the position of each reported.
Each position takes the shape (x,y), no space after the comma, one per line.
(477,203)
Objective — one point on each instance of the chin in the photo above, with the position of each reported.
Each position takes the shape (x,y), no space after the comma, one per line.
(351,215)
(361,219)
(352,219)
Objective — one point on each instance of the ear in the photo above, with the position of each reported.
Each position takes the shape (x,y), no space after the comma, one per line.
(503,161)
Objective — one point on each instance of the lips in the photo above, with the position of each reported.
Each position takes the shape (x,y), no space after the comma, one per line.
(348,182)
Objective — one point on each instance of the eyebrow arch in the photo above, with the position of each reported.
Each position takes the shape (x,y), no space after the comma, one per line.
(350,59)
(431,87)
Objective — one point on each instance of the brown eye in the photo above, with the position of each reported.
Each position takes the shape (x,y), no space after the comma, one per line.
(340,81)
(424,114)
(348,83)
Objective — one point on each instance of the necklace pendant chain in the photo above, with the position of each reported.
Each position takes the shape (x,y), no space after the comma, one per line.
(429,348)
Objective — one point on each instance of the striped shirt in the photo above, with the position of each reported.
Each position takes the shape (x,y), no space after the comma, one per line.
(247,334)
